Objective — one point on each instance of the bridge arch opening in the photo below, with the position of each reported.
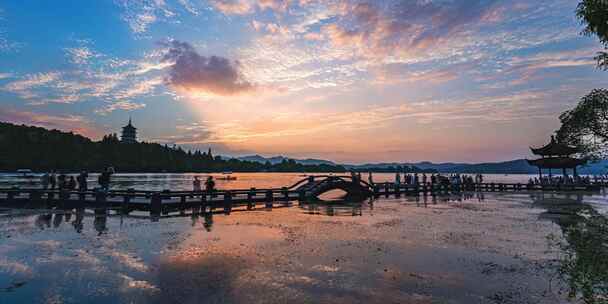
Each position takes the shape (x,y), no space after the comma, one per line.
(332,195)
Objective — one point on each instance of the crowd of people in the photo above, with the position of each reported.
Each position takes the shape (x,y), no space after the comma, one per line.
(52,180)
(433,179)
(63,182)
(562,180)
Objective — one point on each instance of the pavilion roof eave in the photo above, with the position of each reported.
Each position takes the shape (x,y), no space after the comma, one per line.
(557,162)
(555,148)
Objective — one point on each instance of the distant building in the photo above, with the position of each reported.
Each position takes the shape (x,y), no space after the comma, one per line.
(556,155)
(129,134)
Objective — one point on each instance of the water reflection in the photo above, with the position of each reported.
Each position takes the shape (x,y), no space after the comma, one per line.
(44,221)
(583,265)
(78,221)
(308,253)
(338,207)
(205,215)
(101,218)
(207,220)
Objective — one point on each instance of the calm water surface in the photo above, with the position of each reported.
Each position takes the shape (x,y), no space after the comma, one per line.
(475,248)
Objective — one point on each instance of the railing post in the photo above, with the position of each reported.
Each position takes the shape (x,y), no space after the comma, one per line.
(82,197)
(50,196)
(164,210)
(250,195)
(100,199)
(64,196)
(35,196)
(182,206)
(269,199)
(126,200)
(285,195)
(227,202)
(10,196)
(155,204)
(386,189)
(203,199)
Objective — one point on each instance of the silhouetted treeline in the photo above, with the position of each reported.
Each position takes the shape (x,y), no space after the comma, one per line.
(40,149)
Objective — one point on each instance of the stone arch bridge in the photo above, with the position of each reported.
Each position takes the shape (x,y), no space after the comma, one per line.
(313,186)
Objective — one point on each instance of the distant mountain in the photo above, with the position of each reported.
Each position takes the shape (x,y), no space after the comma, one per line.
(518,166)
(279,159)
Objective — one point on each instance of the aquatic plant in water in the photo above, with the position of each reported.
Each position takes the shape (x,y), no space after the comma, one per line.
(584,265)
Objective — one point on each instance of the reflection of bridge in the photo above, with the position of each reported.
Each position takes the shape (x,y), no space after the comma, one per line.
(310,188)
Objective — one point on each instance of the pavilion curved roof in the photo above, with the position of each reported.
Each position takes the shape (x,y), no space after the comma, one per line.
(557,162)
(555,148)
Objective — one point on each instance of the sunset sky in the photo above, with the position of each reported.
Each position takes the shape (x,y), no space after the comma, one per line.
(348,81)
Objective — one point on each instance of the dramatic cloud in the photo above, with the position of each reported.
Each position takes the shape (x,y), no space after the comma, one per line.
(195,73)
(394,27)
(326,74)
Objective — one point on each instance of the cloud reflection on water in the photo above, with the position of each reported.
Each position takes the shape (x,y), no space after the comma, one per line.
(416,249)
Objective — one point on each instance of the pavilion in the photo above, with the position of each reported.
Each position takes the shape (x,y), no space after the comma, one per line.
(556,155)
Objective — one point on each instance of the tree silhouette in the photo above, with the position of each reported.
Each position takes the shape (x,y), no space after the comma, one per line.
(594,15)
(44,150)
(586,125)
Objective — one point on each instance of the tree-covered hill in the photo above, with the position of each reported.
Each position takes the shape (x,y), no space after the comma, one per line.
(40,149)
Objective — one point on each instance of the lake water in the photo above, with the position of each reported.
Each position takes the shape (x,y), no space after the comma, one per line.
(472,248)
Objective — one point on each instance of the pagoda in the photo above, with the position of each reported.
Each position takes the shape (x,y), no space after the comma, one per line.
(129,133)
(556,155)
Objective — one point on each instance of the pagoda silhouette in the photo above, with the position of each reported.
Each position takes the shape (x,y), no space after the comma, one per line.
(129,133)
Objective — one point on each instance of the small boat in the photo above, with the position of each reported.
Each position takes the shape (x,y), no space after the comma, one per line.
(227,177)
(26,173)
